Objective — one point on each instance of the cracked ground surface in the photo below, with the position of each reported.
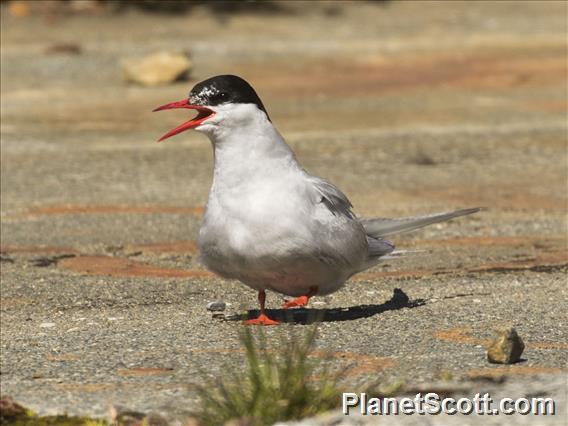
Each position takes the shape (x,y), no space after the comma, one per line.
(407,109)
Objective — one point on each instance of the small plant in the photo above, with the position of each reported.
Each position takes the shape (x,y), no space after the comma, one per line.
(280,383)
(14,414)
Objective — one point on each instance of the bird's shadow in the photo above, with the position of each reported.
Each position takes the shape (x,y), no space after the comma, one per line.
(399,300)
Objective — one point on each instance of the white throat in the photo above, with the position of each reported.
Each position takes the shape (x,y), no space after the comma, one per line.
(247,147)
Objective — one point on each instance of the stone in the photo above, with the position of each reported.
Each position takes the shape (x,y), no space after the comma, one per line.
(156,69)
(216,306)
(506,348)
(11,411)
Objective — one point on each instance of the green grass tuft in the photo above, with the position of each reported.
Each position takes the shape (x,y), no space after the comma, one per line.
(278,384)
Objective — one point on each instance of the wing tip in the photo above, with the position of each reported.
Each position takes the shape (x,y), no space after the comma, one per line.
(471,210)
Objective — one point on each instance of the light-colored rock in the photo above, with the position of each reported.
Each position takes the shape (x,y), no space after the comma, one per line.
(156,69)
(506,348)
(216,306)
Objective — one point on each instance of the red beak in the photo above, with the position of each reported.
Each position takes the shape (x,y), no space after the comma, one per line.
(203,114)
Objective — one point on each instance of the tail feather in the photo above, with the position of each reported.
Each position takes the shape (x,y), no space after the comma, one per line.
(383,227)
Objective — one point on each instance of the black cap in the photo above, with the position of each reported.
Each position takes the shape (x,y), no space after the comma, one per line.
(223,89)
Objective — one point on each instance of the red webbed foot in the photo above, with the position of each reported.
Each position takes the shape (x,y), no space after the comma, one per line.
(298,301)
(302,300)
(262,320)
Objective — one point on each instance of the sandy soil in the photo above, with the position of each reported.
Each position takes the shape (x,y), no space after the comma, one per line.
(409,108)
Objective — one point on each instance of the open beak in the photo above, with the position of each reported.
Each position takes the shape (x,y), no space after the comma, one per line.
(203,114)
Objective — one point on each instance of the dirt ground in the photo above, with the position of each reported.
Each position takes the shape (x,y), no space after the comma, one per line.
(409,107)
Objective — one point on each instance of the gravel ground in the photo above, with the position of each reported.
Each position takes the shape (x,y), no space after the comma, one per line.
(409,109)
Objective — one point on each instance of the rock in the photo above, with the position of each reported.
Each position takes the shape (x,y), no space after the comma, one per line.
(154,419)
(11,411)
(216,306)
(129,418)
(156,69)
(506,348)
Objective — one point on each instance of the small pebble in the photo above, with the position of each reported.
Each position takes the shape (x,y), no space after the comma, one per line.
(506,348)
(47,324)
(156,69)
(216,306)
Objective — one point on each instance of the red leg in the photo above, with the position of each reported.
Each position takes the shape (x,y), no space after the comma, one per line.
(302,300)
(262,318)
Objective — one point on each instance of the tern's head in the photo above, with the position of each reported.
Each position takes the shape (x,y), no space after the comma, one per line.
(223,101)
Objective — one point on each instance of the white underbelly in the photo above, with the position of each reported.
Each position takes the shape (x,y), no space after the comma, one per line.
(285,260)
(290,276)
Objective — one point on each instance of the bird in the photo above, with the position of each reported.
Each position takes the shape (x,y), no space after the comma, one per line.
(268,222)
